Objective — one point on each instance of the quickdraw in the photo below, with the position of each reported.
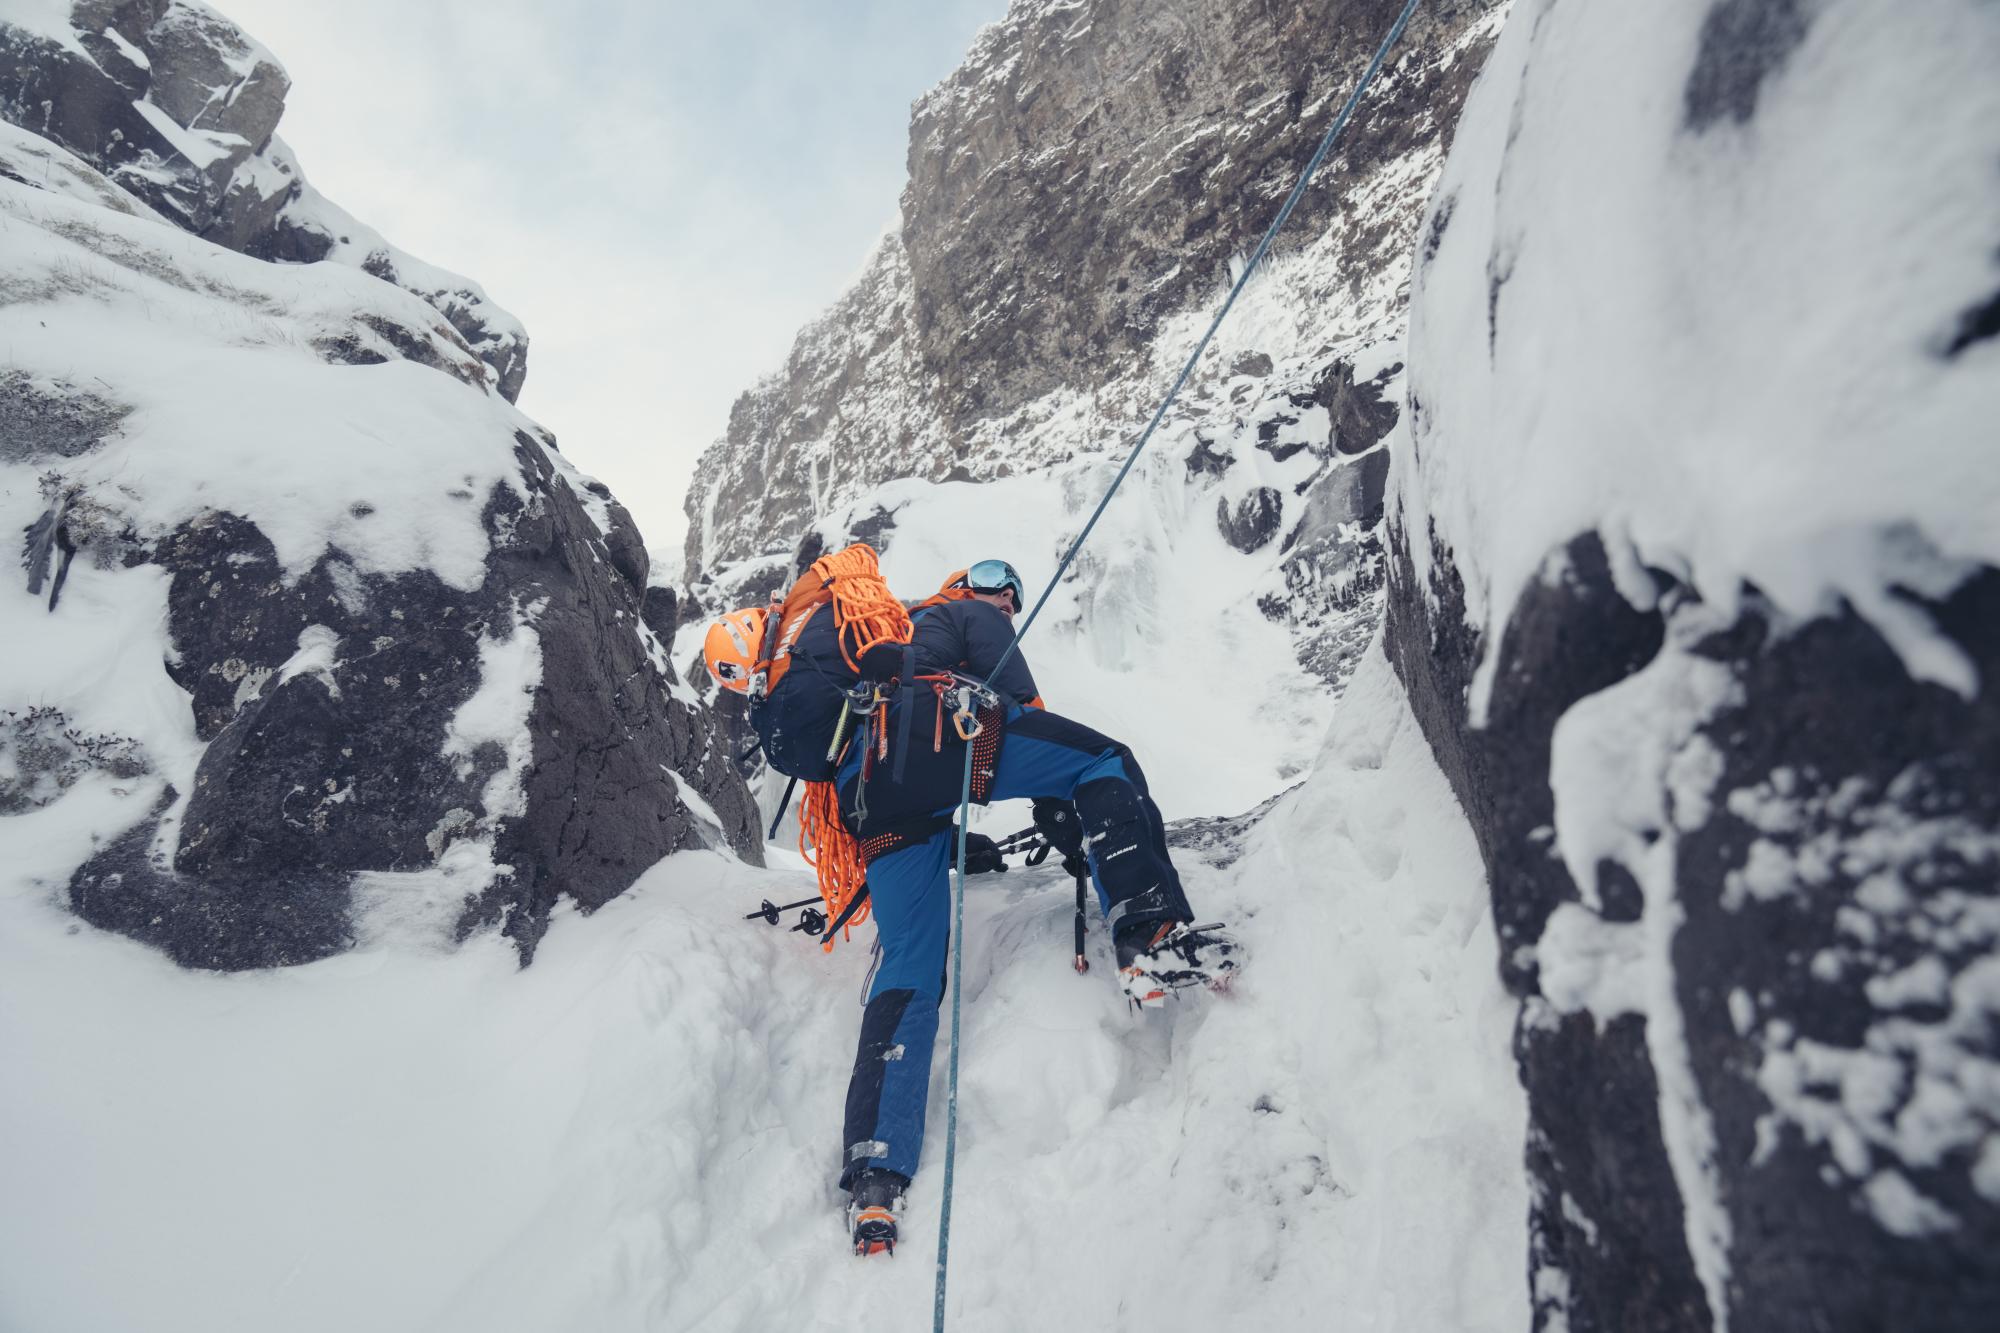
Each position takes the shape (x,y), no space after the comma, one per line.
(863,701)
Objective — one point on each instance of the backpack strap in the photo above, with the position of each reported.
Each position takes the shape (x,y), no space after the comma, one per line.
(906,704)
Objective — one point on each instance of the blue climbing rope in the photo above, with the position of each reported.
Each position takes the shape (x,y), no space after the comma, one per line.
(951,1084)
(965,795)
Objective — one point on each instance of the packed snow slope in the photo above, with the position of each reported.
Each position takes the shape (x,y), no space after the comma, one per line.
(1695,586)
(640,1131)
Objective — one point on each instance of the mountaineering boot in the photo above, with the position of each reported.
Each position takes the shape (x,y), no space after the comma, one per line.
(871,1212)
(1156,958)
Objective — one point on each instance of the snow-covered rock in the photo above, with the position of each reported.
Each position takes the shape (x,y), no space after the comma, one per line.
(180,107)
(1696,591)
(318,637)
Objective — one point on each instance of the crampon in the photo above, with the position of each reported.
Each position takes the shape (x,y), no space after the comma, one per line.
(871,1212)
(1174,957)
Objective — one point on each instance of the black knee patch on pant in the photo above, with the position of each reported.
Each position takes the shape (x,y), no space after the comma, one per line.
(864,1090)
(1125,838)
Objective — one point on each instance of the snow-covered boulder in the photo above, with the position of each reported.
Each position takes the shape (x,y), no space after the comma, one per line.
(1696,591)
(180,107)
(319,639)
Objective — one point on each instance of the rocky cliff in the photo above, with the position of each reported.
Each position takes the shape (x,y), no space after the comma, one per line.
(319,639)
(1695,587)
(1079,191)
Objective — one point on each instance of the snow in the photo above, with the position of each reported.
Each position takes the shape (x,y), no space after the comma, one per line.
(1588,963)
(1662,333)
(200,147)
(126,49)
(510,671)
(1901,1209)
(35,159)
(45,18)
(640,1130)
(234,410)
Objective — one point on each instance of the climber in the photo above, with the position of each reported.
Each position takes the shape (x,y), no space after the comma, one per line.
(898,798)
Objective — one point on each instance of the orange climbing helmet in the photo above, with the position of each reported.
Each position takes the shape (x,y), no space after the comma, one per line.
(733,648)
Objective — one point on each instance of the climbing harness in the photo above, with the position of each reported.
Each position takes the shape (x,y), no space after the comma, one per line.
(965,798)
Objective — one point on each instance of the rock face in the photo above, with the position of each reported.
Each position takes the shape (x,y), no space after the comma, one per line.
(362,725)
(1712,684)
(1079,185)
(179,107)
(322,641)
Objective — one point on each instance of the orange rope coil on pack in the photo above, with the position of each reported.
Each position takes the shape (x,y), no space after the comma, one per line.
(866,615)
(834,855)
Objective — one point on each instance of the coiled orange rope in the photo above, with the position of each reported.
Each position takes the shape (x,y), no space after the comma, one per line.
(833,853)
(867,615)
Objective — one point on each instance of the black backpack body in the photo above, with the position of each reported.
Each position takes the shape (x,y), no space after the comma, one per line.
(795,721)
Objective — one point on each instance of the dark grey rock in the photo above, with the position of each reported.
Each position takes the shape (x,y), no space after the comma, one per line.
(195,53)
(1565,642)
(1827,713)
(1343,495)
(1333,568)
(1898,775)
(1976,324)
(1254,521)
(310,779)
(628,548)
(1273,424)
(1743,43)
(660,609)
(874,528)
(1052,221)
(1363,414)
(1204,460)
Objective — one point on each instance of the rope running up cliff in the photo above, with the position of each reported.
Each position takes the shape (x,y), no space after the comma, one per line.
(965,795)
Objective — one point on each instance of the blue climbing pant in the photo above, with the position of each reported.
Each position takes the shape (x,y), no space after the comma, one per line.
(1042,755)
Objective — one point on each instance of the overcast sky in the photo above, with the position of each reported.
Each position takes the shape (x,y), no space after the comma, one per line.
(664,191)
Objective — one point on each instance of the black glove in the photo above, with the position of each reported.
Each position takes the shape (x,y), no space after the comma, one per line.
(1059,826)
(982,854)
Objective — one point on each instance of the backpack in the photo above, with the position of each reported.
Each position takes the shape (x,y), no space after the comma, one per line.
(836,611)
(839,609)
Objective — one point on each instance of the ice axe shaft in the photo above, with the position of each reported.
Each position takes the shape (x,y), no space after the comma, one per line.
(1082,881)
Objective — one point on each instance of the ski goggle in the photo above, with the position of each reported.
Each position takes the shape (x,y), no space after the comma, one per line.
(997,576)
